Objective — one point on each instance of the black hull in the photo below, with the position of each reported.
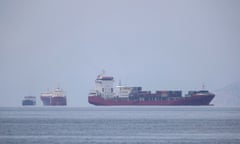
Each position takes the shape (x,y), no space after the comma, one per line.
(28,103)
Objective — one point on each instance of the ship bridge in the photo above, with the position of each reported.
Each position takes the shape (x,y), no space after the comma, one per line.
(104,86)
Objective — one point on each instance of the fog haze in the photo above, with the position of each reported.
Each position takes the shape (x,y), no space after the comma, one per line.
(156,44)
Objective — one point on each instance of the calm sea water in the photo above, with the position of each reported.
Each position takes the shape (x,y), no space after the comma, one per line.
(120,125)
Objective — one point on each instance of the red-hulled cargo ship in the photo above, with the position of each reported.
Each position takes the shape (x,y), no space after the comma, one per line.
(54,98)
(107,95)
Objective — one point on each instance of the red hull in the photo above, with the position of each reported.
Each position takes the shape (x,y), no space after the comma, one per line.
(54,101)
(59,101)
(193,100)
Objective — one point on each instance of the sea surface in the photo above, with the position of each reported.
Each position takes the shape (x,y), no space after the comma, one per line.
(120,125)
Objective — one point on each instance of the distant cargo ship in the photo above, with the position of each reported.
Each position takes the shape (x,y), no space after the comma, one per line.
(54,98)
(106,94)
(29,101)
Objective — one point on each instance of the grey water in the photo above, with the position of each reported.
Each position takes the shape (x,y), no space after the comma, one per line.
(120,125)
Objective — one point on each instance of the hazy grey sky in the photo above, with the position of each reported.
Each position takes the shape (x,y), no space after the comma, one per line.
(156,44)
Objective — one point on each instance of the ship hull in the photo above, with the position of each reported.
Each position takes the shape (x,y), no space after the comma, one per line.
(54,101)
(28,103)
(58,101)
(193,100)
(46,100)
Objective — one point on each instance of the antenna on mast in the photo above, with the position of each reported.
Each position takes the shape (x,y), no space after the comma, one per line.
(120,83)
(103,72)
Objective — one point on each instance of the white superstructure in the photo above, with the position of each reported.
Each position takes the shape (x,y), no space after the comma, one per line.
(31,98)
(46,94)
(104,87)
(58,92)
(122,91)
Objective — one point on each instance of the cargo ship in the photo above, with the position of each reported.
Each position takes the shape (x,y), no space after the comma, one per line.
(29,101)
(105,94)
(54,98)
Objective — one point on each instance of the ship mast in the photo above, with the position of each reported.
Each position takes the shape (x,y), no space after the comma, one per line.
(103,72)
(120,83)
